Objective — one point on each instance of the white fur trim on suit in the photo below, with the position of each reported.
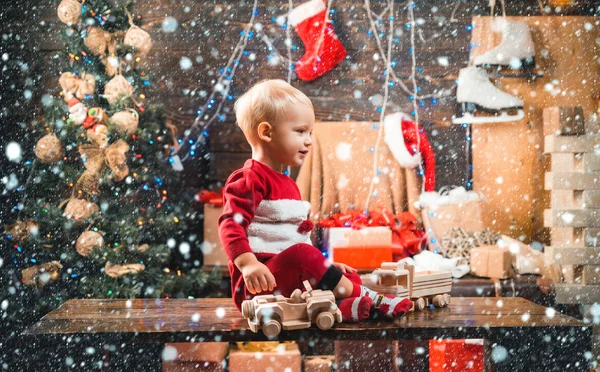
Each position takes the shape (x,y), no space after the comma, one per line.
(275,225)
(304,11)
(354,309)
(392,128)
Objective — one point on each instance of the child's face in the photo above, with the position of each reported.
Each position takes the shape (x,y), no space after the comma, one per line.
(292,135)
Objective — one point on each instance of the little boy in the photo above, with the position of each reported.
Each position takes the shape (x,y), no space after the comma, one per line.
(264,227)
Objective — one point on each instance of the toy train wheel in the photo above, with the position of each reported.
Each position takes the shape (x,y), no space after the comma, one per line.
(248,309)
(439,301)
(420,303)
(447,298)
(325,320)
(271,328)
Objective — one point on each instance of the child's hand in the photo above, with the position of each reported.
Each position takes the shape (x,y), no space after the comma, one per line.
(344,268)
(258,278)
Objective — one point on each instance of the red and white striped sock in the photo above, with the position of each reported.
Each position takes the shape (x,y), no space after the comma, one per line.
(386,305)
(355,309)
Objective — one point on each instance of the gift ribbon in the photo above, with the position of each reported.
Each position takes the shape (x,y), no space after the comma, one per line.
(112,156)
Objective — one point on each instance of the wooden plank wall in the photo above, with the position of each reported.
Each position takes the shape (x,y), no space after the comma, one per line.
(208,31)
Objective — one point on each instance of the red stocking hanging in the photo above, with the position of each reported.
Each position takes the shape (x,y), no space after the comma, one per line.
(323,49)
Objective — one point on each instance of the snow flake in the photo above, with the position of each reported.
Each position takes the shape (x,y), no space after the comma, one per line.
(185,63)
(170,24)
(14,152)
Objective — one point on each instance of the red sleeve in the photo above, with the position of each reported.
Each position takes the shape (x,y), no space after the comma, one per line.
(242,193)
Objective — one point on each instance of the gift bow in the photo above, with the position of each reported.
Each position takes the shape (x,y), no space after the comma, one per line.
(77,85)
(407,239)
(113,156)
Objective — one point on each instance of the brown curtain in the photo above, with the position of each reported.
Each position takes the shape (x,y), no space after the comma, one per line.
(337,172)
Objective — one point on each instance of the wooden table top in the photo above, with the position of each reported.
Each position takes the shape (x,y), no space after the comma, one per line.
(208,319)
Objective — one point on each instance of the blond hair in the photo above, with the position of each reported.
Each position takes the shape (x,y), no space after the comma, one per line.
(266,101)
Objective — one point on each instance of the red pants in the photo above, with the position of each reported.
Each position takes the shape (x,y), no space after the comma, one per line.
(290,268)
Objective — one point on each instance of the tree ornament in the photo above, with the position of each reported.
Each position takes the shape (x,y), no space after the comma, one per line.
(111,65)
(80,210)
(69,11)
(116,270)
(126,122)
(80,86)
(87,241)
(39,276)
(95,116)
(137,38)
(48,148)
(98,135)
(143,248)
(95,158)
(116,88)
(97,40)
(77,112)
(457,243)
(89,182)
(21,230)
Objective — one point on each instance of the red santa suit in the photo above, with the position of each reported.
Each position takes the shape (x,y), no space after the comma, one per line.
(264,214)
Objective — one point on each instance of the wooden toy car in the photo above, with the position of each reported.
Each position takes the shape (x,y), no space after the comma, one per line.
(271,313)
(422,287)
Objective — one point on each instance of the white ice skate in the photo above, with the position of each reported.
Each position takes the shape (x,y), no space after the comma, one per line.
(476,93)
(516,52)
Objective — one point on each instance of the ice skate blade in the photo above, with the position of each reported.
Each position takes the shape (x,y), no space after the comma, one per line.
(469,118)
(499,74)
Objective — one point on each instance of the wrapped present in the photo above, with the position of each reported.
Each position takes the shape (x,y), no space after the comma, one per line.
(337,237)
(456,208)
(456,355)
(492,261)
(318,363)
(196,356)
(265,356)
(363,257)
(214,254)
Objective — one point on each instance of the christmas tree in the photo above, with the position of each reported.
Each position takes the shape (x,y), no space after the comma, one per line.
(102,213)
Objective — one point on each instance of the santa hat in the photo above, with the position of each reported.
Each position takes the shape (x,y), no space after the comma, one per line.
(409,144)
(72,102)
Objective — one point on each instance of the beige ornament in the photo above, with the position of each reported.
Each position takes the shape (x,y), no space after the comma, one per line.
(21,230)
(116,88)
(48,148)
(89,183)
(40,275)
(79,86)
(457,243)
(69,11)
(87,241)
(139,39)
(80,210)
(112,156)
(97,40)
(115,270)
(111,65)
(126,122)
(98,135)
(143,248)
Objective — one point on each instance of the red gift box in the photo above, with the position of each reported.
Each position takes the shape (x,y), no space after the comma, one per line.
(456,355)
(363,258)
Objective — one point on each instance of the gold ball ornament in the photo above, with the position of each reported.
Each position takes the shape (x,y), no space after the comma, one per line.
(40,275)
(126,122)
(87,241)
(69,11)
(80,210)
(48,149)
(111,65)
(139,39)
(116,88)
